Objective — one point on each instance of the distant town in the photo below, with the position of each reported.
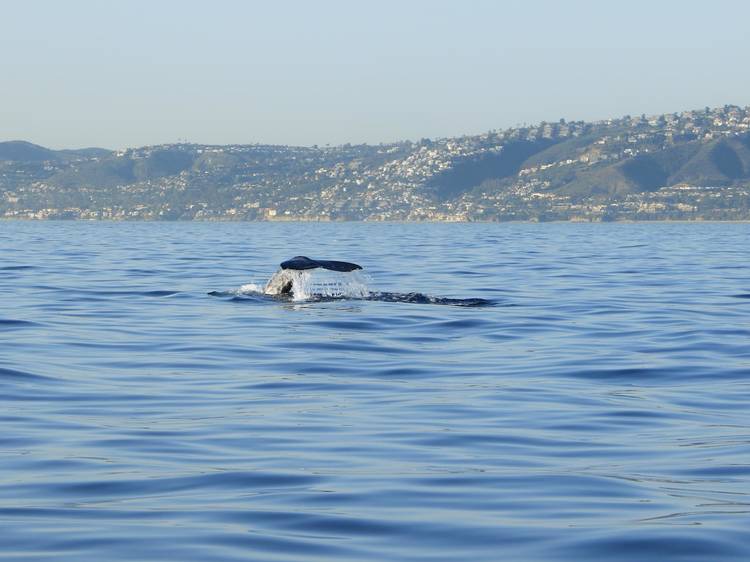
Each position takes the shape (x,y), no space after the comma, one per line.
(691,165)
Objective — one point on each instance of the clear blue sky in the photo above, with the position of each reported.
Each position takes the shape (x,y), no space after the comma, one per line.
(79,73)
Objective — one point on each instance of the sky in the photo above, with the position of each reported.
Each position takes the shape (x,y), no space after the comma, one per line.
(85,73)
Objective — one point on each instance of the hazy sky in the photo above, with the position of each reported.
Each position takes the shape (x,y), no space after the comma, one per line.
(80,73)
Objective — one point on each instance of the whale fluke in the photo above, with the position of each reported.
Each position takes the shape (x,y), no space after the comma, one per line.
(300,263)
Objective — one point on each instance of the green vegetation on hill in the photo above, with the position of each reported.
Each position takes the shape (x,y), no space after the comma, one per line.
(561,151)
(716,163)
(470,173)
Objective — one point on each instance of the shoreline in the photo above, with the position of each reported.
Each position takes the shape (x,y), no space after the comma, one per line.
(395,221)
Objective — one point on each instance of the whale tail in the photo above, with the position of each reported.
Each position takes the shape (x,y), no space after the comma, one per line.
(300,263)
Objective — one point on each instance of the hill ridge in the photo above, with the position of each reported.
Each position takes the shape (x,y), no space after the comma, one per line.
(559,170)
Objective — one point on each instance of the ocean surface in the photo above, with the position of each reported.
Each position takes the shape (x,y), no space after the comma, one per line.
(595,407)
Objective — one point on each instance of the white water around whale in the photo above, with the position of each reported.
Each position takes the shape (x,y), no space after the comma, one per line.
(321,283)
(314,283)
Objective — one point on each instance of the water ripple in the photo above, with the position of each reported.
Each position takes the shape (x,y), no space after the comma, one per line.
(582,396)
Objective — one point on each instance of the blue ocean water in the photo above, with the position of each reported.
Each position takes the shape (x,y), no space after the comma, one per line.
(598,410)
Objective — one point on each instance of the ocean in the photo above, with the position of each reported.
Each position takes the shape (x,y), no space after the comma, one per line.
(537,392)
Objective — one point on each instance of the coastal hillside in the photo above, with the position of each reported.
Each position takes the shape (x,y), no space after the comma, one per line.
(687,165)
(21,151)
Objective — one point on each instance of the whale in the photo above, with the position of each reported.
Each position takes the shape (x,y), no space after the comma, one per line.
(282,282)
(281,286)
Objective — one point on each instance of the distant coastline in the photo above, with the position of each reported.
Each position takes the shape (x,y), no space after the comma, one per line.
(350,221)
(686,166)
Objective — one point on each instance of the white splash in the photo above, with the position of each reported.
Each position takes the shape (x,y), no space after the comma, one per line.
(249,289)
(316,283)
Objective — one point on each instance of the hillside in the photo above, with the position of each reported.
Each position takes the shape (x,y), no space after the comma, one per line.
(22,151)
(632,167)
